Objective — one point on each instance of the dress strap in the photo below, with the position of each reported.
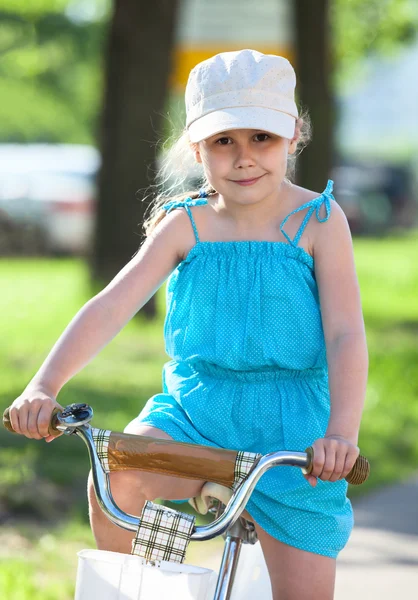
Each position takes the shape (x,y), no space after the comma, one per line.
(314,206)
(187,203)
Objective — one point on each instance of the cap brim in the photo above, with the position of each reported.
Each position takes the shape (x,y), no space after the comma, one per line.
(242,117)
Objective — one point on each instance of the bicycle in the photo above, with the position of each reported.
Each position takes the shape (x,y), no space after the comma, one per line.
(112,451)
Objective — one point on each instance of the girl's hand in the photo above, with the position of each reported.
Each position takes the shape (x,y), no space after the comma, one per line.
(31,412)
(334,457)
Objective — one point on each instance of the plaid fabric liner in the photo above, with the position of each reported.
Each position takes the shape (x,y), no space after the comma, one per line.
(243,465)
(101,441)
(163,534)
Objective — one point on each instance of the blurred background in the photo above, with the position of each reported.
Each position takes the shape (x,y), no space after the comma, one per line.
(89,91)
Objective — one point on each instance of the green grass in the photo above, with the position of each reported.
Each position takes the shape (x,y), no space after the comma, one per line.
(388,274)
(38,300)
(47,482)
(41,564)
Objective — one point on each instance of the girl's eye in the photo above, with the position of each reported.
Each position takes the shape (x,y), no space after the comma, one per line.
(261,137)
(223,141)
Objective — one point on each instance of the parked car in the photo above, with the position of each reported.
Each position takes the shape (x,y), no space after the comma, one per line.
(51,189)
(376,196)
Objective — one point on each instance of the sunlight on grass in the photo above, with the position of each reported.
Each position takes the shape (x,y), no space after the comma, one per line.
(388,274)
(40,481)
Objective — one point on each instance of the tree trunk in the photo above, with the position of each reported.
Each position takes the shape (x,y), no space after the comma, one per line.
(314,67)
(138,65)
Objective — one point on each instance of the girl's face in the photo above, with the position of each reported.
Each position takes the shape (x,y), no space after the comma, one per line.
(245,165)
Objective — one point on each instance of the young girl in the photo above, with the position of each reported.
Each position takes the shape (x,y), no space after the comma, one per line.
(264,325)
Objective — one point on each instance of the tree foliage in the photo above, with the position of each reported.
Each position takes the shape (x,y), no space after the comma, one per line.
(51,66)
(33,9)
(364,27)
(50,72)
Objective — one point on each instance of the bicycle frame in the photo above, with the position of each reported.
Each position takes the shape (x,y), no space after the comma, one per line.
(227,523)
(74,419)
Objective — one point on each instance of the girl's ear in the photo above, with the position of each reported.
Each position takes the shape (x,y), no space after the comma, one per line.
(294,141)
(196,152)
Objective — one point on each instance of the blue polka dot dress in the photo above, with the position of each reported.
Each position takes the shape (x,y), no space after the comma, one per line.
(249,371)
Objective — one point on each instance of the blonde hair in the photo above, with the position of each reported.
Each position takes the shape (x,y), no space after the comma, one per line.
(178,168)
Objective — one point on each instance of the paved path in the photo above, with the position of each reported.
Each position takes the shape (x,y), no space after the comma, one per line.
(380,560)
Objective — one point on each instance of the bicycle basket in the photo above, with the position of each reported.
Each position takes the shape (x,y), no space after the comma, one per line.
(115,576)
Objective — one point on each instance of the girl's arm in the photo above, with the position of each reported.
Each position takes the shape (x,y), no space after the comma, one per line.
(346,345)
(100,319)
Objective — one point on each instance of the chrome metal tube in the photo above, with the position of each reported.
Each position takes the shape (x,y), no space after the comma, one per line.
(232,511)
(228,568)
(102,487)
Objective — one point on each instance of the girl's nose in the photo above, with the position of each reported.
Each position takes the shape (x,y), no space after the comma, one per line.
(244,157)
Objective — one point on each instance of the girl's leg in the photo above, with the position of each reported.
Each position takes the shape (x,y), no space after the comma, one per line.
(296,574)
(130,490)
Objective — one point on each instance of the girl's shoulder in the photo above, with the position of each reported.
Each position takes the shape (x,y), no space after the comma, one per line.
(301,196)
(304,212)
(328,228)
(314,218)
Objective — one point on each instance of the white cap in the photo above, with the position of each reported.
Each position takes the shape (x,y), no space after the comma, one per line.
(241,90)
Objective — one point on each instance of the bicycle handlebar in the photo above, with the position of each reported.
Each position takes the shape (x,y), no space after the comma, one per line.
(74,420)
(192,461)
(57,418)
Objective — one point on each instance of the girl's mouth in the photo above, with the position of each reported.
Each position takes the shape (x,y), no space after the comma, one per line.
(246,181)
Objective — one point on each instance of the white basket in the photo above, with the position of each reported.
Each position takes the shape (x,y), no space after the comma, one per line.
(252,578)
(113,576)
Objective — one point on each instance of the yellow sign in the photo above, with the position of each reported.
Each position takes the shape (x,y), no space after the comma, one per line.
(207,27)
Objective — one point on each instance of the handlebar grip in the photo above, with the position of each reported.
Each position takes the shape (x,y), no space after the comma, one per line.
(358,474)
(52,430)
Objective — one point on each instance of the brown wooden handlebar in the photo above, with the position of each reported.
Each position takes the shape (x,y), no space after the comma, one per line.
(52,430)
(167,457)
(191,461)
(358,474)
